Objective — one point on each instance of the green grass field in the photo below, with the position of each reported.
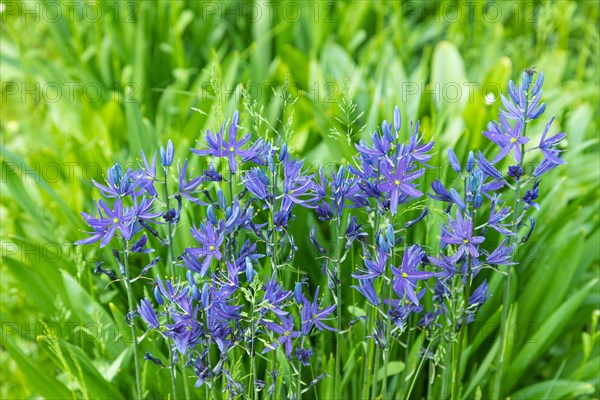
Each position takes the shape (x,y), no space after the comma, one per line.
(86,84)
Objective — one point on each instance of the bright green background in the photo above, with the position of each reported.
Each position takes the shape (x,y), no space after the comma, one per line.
(151,62)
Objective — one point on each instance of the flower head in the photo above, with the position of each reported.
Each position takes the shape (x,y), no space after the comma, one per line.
(459,231)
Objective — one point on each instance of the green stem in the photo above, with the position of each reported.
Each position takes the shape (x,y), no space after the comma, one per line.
(171,262)
(367,372)
(456,383)
(338,381)
(169,229)
(416,373)
(506,298)
(407,354)
(299,382)
(388,345)
(130,301)
(173,370)
(251,384)
(375,371)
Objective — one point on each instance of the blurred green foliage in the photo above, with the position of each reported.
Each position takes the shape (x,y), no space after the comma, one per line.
(85,84)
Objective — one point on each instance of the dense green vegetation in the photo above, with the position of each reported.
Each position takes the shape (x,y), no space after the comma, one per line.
(87,84)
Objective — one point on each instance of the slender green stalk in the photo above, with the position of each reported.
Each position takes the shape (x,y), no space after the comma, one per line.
(171,262)
(388,327)
(251,384)
(416,373)
(173,370)
(375,371)
(130,301)
(367,371)
(388,346)
(456,382)
(299,382)
(186,389)
(506,298)
(169,228)
(407,354)
(338,380)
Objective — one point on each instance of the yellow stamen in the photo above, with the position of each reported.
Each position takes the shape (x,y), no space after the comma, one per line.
(116,220)
(288,333)
(513,140)
(465,241)
(291,191)
(404,275)
(397,182)
(211,248)
(231,149)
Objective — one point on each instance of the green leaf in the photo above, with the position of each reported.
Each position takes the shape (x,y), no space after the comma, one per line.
(547,333)
(394,368)
(554,390)
(88,375)
(36,374)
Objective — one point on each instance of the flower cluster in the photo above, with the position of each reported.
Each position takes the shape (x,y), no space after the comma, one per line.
(234,287)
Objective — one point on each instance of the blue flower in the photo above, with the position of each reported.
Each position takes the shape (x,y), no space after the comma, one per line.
(229,147)
(353,231)
(275,297)
(366,288)
(187,188)
(147,313)
(449,270)
(441,193)
(397,183)
(119,184)
(257,183)
(211,240)
(287,332)
(453,161)
(296,186)
(147,175)
(547,144)
(532,195)
(416,149)
(374,269)
(524,105)
(497,215)
(509,139)
(459,231)
(303,356)
(312,316)
(501,255)
(166,157)
(109,220)
(407,274)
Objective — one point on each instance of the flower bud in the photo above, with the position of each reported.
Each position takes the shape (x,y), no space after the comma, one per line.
(298,292)
(283,153)
(386,128)
(205,295)
(249,270)
(114,174)
(397,119)
(477,201)
(166,157)
(158,296)
(210,213)
(526,78)
(196,293)
(190,277)
(453,161)
(470,161)
(515,171)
